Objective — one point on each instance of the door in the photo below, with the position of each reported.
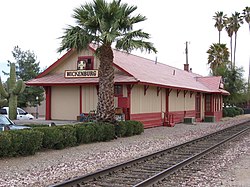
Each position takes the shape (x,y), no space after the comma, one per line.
(198,106)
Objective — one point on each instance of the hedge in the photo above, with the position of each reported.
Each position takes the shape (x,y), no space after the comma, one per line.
(232,111)
(20,142)
(28,141)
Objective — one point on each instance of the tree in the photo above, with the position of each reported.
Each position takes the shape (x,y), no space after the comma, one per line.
(235,84)
(233,24)
(27,68)
(218,55)
(106,24)
(219,22)
(230,32)
(246,15)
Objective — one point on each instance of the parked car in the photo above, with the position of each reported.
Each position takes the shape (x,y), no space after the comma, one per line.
(21,114)
(7,124)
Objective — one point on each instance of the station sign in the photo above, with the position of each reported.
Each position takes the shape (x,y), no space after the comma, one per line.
(81,73)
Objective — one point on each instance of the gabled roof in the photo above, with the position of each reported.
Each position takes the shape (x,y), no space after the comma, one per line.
(137,70)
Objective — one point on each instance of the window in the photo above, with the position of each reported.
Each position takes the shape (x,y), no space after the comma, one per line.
(85,63)
(21,112)
(208,103)
(3,111)
(118,90)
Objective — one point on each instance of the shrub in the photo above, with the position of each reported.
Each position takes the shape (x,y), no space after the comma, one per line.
(94,132)
(36,125)
(232,111)
(120,129)
(84,134)
(5,144)
(31,142)
(68,135)
(138,127)
(52,137)
(129,128)
(105,131)
(20,142)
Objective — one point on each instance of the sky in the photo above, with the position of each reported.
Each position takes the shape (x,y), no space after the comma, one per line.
(37,25)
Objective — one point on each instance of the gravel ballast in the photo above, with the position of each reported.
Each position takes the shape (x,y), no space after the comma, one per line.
(53,166)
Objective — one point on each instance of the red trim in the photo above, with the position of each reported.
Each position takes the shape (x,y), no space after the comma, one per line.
(88,57)
(121,69)
(80,99)
(55,64)
(73,84)
(218,115)
(48,103)
(148,119)
(178,116)
(129,88)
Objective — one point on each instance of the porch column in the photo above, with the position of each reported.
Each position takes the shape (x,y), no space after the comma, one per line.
(48,102)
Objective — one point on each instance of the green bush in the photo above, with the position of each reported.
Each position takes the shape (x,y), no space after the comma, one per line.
(120,129)
(20,142)
(129,128)
(69,135)
(232,111)
(239,110)
(94,132)
(5,144)
(36,125)
(52,137)
(138,127)
(84,134)
(104,131)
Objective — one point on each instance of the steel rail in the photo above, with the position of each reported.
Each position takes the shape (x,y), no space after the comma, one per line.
(93,176)
(158,177)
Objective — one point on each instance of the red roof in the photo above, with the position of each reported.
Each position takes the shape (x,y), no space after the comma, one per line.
(136,70)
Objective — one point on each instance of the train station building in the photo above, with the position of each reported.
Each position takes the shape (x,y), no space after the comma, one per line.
(151,92)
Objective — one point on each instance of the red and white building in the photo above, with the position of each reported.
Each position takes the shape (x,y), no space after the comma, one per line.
(154,93)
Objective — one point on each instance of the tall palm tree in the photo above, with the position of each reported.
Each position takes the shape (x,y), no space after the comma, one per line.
(230,32)
(235,22)
(218,55)
(246,15)
(219,22)
(106,24)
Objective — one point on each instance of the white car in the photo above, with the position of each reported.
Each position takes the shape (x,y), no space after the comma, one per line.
(21,114)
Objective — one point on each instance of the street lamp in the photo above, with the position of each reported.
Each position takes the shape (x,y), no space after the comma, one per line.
(37,107)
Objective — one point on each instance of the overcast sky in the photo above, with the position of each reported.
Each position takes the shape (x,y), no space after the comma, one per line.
(36,26)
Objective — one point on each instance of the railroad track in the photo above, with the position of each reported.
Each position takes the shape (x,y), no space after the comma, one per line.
(150,169)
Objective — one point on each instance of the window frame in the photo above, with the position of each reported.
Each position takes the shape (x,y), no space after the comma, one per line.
(120,90)
(91,58)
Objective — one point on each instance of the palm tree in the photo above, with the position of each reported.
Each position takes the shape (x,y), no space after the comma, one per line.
(218,55)
(230,32)
(106,24)
(246,15)
(220,22)
(234,23)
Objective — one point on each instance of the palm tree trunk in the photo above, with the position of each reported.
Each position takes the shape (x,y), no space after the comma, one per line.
(235,48)
(105,105)
(219,36)
(231,51)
